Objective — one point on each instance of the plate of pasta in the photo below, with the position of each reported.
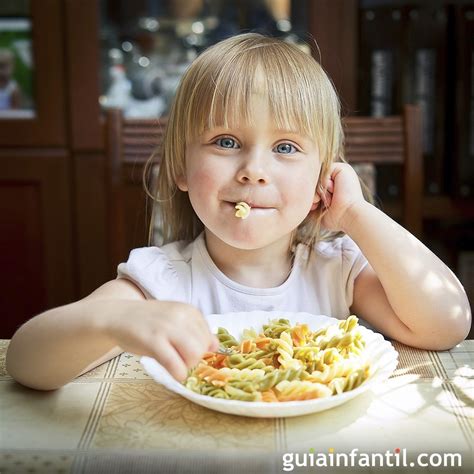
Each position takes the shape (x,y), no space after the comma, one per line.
(280,364)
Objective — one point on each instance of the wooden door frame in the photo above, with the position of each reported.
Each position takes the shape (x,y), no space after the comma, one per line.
(47,127)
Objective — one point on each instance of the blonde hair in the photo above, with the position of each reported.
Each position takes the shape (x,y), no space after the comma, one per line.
(215,90)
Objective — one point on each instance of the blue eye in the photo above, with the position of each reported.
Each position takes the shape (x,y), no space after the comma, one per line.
(226,142)
(285,148)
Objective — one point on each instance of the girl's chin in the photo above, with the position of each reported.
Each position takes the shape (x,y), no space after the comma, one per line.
(248,238)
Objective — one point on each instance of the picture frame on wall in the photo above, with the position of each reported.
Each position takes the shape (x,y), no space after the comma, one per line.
(17,99)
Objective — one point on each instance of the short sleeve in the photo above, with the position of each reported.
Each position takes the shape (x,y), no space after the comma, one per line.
(152,270)
(353,261)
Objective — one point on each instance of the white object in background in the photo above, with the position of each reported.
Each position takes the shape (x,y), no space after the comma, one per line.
(149,109)
(120,88)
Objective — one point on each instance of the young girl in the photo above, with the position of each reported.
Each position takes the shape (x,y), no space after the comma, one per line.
(254,121)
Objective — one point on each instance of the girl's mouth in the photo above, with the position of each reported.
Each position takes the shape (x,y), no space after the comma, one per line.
(252,205)
(254,209)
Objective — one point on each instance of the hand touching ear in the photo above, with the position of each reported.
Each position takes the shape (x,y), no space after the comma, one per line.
(339,192)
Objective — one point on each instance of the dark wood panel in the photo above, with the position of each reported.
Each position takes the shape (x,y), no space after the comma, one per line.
(136,228)
(90,204)
(333,24)
(128,228)
(445,207)
(21,259)
(41,221)
(82,33)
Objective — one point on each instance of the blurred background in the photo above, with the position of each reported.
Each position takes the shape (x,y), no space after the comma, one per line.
(77,75)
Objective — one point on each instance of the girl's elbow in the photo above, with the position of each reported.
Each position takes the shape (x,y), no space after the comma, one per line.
(465,323)
(463,331)
(442,337)
(447,344)
(35,384)
(26,379)
(457,332)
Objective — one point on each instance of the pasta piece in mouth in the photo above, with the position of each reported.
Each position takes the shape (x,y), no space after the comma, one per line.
(243,210)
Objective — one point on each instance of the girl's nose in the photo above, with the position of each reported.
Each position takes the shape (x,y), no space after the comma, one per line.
(253,169)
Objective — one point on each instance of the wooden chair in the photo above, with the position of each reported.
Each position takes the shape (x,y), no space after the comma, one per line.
(130,142)
(386,140)
(129,145)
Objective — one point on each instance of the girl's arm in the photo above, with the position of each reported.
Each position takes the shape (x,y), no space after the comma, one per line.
(58,345)
(406,291)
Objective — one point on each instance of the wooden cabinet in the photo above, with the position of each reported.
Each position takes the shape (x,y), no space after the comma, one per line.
(36,185)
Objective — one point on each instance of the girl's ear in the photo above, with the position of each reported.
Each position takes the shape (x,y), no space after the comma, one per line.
(316,201)
(182,183)
(316,198)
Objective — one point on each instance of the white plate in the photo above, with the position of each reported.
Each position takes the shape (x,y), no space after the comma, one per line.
(380,354)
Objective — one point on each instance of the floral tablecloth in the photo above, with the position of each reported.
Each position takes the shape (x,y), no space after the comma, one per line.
(116,419)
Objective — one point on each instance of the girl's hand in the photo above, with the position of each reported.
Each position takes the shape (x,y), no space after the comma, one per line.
(175,334)
(343,191)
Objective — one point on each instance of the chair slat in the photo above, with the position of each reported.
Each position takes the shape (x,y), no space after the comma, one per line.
(375,140)
(141,141)
(143,121)
(374,157)
(383,121)
(145,129)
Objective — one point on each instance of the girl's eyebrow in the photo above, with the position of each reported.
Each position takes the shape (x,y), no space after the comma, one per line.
(275,132)
(300,137)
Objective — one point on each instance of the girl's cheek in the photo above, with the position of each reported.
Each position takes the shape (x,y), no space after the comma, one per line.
(302,188)
(202,183)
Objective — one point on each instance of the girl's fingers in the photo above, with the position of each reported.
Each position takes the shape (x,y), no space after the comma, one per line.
(170,359)
(190,349)
(214,345)
(330,186)
(202,329)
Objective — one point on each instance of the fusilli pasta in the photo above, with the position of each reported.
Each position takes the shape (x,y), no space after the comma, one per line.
(283,363)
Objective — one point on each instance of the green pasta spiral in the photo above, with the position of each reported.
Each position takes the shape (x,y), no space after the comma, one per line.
(245,385)
(260,354)
(215,392)
(276,327)
(277,376)
(353,380)
(225,338)
(239,361)
(238,394)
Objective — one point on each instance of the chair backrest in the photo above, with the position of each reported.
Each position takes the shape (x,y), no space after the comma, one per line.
(130,143)
(387,140)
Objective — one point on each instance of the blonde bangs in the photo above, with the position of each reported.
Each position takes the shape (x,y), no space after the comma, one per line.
(222,89)
(215,92)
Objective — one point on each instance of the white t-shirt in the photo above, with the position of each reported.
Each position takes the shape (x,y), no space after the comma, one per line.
(183,271)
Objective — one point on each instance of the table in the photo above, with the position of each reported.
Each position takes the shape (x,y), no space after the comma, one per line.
(115,419)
